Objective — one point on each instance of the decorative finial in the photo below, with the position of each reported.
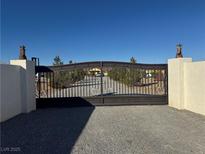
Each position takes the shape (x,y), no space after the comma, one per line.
(22,52)
(179,51)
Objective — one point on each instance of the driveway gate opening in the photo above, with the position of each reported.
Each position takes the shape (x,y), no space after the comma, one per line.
(101,83)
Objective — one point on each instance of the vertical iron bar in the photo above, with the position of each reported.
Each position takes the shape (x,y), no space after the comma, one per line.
(93,82)
(90,82)
(79,82)
(78,86)
(75,91)
(101,77)
(108,84)
(86,88)
(71,86)
(128,70)
(146,81)
(61,90)
(57,89)
(39,85)
(141,81)
(50,84)
(121,88)
(47,83)
(166,81)
(113,86)
(153,82)
(154,85)
(137,76)
(118,84)
(160,79)
(131,79)
(123,82)
(84,79)
(43,85)
(82,84)
(126,88)
(44,74)
(53,86)
(142,87)
(38,62)
(149,81)
(132,82)
(134,87)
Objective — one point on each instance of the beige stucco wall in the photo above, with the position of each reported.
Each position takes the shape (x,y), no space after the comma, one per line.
(194,86)
(186,81)
(29,81)
(10,99)
(176,82)
(17,93)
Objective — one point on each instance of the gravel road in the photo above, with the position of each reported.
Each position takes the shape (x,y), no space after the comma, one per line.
(99,130)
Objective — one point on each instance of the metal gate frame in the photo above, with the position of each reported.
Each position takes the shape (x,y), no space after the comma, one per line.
(125,99)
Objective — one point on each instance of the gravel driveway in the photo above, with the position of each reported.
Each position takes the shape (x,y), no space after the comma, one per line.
(99,130)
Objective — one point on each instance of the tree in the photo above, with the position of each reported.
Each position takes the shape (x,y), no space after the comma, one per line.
(133,60)
(65,78)
(70,61)
(57,61)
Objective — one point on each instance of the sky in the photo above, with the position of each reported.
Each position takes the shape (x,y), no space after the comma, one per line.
(111,30)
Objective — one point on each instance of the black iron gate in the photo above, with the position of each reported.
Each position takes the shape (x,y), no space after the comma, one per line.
(101,83)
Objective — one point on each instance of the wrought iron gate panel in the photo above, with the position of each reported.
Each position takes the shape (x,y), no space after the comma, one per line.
(101,80)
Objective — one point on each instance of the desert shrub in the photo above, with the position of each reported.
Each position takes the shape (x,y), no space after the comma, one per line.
(128,76)
(64,79)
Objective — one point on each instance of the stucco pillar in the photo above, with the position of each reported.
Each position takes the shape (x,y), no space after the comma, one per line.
(176,82)
(27,84)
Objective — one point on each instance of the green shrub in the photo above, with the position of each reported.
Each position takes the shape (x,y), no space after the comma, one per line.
(65,79)
(128,76)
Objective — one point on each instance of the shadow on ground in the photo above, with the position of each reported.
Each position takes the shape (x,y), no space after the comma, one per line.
(62,102)
(53,130)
